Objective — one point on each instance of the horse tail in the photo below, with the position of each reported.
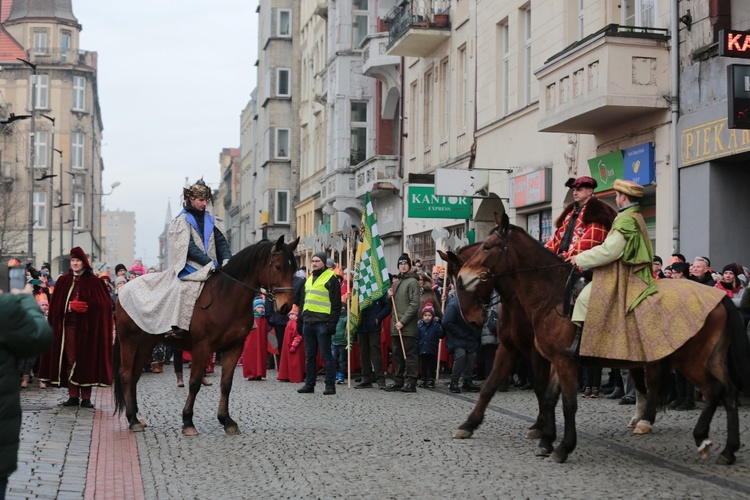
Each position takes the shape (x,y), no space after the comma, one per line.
(739,346)
(119,395)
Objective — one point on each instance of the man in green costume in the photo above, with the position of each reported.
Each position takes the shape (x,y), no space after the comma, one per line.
(622,267)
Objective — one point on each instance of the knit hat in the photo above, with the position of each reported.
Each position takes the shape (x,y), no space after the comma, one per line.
(120,267)
(404,258)
(258,302)
(428,308)
(78,253)
(731,267)
(658,259)
(295,310)
(118,280)
(330,262)
(322,256)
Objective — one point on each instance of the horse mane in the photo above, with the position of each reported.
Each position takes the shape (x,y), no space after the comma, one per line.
(245,262)
(546,252)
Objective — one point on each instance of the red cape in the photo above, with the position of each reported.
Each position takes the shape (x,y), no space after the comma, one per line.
(94,333)
(255,351)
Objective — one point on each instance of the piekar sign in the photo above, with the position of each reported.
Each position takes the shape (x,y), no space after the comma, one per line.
(424,203)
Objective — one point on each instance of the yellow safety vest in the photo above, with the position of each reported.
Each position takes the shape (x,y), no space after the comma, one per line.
(317,297)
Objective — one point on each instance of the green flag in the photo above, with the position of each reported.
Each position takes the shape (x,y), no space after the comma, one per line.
(371,280)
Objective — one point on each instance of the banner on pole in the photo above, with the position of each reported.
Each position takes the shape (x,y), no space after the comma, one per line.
(371,280)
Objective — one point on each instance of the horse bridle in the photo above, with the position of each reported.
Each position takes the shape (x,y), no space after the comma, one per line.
(268,291)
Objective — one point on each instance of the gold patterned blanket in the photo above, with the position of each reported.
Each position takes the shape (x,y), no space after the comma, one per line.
(657,327)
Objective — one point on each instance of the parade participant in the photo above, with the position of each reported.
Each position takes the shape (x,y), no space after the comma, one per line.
(584,223)
(81,316)
(163,302)
(25,334)
(292,359)
(255,351)
(321,308)
(405,294)
(369,337)
(627,245)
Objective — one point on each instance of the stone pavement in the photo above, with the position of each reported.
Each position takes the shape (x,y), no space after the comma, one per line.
(356,444)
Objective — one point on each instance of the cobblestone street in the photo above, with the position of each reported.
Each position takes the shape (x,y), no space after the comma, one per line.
(356,444)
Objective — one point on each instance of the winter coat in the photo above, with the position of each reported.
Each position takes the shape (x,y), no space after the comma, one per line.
(339,338)
(406,295)
(25,334)
(489,331)
(428,336)
(370,318)
(429,294)
(458,333)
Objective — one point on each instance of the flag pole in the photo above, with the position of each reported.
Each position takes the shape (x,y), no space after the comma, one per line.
(440,341)
(348,312)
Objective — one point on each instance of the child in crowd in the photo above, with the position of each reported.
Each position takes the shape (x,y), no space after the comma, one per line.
(429,334)
(292,364)
(255,352)
(338,347)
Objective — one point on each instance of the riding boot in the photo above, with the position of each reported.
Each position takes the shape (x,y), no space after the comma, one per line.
(575,347)
(176,333)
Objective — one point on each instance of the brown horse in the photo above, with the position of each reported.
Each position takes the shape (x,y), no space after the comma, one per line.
(516,336)
(512,262)
(222,318)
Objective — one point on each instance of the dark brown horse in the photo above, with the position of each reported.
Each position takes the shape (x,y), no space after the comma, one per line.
(512,262)
(516,336)
(221,320)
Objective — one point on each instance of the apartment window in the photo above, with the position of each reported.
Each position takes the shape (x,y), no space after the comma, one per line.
(463,84)
(424,248)
(40,149)
(76,156)
(41,46)
(42,91)
(40,209)
(64,45)
(282,206)
(505,68)
(527,74)
(360,20)
(444,98)
(77,210)
(580,19)
(282,143)
(283,75)
(427,124)
(638,13)
(284,23)
(358,122)
(79,93)
(413,117)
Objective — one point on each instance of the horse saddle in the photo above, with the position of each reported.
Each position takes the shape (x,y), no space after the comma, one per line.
(576,283)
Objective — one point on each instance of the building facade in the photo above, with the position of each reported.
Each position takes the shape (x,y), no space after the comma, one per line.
(118,238)
(63,188)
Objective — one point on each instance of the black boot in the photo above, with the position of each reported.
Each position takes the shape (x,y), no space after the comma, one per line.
(454,386)
(575,347)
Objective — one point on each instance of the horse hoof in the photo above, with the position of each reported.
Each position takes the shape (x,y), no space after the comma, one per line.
(534,434)
(643,427)
(633,422)
(141,420)
(705,449)
(462,434)
(542,452)
(558,457)
(232,430)
(189,431)
(722,460)
(136,427)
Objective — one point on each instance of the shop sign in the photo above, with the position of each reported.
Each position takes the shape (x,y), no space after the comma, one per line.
(711,140)
(605,169)
(639,164)
(738,96)
(423,203)
(734,44)
(530,189)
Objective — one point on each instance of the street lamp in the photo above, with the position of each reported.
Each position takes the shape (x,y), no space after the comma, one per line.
(31,155)
(113,186)
(51,177)
(59,205)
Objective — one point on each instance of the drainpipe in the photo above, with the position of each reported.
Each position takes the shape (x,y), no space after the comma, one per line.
(675,107)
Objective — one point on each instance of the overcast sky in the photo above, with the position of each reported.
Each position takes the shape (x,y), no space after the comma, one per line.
(174,76)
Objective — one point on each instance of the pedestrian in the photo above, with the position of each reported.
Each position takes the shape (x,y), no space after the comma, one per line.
(292,362)
(81,316)
(255,352)
(25,334)
(321,308)
(405,294)
(369,335)
(340,346)
(463,342)
(429,334)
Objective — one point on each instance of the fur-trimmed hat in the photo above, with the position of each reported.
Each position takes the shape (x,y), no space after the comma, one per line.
(78,253)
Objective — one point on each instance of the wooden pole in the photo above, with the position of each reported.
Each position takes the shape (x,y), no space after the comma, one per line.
(440,341)
(348,314)
(400,337)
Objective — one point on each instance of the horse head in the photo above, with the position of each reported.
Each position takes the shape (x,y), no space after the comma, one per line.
(454,262)
(281,274)
(475,279)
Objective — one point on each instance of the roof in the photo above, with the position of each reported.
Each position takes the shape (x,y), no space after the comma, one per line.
(55,9)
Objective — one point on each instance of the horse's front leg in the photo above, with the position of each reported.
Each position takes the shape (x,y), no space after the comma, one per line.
(549,429)
(567,373)
(229,360)
(541,368)
(646,404)
(505,360)
(197,366)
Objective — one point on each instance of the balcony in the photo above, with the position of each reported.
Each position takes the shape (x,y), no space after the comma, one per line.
(378,175)
(417,27)
(611,77)
(376,62)
(63,56)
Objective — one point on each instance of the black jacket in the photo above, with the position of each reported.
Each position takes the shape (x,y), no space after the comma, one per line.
(378,310)
(458,333)
(275,318)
